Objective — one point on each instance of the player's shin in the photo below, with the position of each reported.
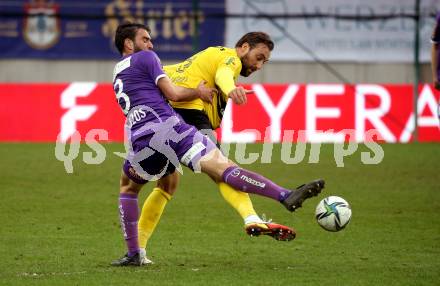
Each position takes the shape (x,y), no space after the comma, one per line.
(150,215)
(254,183)
(128,212)
(240,201)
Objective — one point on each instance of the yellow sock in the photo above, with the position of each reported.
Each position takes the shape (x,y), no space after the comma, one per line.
(238,200)
(151,213)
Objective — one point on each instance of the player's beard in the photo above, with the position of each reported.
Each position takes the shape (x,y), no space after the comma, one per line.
(246,69)
(137,49)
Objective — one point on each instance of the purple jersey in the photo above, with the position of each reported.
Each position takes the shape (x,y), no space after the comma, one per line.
(135,80)
(159,138)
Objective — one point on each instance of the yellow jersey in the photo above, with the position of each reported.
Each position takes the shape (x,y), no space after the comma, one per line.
(219,67)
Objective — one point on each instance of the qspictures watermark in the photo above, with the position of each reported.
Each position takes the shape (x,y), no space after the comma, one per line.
(291,153)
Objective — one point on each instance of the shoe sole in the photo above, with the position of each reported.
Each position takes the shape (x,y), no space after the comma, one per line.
(127,262)
(278,232)
(146,262)
(306,191)
(131,264)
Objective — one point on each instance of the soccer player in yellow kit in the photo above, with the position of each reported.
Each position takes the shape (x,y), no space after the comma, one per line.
(219,67)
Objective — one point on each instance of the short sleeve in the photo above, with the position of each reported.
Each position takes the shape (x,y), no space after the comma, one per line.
(153,65)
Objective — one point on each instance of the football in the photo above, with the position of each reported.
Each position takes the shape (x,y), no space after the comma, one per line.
(333,213)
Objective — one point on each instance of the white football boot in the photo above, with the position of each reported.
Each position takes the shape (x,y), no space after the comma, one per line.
(143,257)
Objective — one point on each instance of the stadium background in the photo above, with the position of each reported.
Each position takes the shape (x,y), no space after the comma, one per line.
(318,42)
(379,18)
(62,228)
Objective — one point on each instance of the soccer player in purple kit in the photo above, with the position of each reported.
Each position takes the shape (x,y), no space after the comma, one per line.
(159,139)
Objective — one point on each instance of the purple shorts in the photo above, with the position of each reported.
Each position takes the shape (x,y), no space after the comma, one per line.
(155,154)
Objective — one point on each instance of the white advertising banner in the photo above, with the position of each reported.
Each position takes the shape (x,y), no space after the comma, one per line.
(332,38)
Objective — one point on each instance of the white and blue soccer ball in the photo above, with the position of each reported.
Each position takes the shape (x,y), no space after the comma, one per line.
(333,213)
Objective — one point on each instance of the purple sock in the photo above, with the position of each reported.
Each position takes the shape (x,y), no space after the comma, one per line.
(250,182)
(128,213)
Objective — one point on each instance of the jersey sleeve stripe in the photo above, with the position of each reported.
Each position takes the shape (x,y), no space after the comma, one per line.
(159,77)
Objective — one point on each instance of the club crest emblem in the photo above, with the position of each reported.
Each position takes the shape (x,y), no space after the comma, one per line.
(41,28)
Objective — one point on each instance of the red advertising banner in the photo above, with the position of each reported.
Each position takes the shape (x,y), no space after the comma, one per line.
(274,113)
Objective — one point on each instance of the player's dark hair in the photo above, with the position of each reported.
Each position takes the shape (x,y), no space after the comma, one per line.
(127,30)
(255,38)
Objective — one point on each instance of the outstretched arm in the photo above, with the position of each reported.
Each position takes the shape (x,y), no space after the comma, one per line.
(178,93)
(224,78)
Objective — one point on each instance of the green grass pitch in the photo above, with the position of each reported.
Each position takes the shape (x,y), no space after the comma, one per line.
(63,229)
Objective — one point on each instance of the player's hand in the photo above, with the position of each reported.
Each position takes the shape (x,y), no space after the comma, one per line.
(238,95)
(205,93)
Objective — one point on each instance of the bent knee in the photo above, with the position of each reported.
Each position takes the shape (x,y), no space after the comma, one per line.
(169,183)
(170,189)
(127,186)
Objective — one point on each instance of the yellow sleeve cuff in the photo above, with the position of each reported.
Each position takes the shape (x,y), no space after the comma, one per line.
(224,79)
